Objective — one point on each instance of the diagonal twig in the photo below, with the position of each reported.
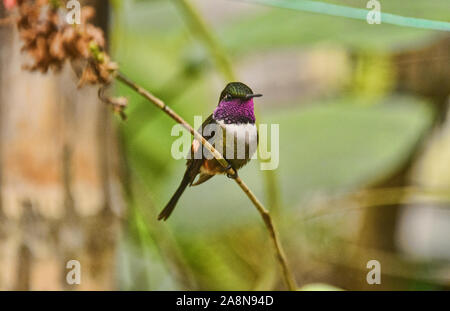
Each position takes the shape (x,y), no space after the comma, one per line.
(287,274)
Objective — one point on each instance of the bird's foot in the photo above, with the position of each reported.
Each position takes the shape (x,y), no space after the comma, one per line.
(232,176)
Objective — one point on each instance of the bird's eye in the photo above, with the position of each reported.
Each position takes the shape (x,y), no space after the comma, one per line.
(228,97)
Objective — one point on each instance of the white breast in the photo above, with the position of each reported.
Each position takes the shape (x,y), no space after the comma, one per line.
(246,137)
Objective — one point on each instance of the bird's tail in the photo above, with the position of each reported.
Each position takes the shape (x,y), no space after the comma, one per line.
(165,213)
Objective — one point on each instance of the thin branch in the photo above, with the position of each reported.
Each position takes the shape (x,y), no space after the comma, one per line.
(288,276)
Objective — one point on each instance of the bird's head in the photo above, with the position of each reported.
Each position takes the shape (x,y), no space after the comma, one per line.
(237,91)
(236,104)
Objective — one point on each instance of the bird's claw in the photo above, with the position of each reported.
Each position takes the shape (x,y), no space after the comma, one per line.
(232,176)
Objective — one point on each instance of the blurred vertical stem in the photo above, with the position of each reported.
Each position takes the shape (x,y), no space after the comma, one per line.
(200,29)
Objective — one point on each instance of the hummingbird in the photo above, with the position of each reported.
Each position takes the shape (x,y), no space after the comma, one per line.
(234,118)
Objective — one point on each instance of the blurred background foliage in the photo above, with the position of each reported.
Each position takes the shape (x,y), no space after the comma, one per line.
(347,124)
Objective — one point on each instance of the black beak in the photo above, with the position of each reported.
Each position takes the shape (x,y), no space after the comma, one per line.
(250,96)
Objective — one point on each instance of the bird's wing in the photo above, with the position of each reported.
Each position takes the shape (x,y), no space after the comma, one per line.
(196,147)
(196,155)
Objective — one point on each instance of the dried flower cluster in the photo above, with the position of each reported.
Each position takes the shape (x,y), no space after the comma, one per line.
(50,42)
